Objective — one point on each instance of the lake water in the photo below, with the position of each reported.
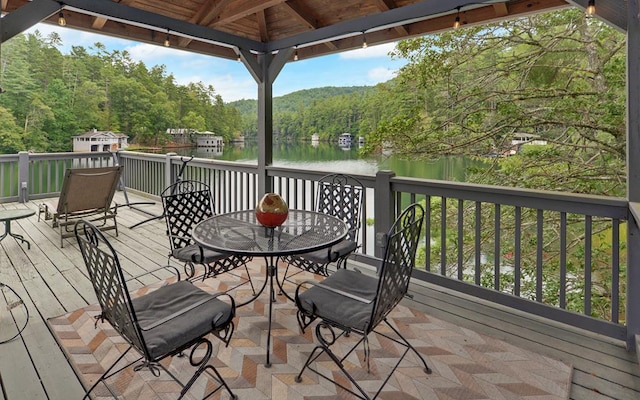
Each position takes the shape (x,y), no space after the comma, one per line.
(333,158)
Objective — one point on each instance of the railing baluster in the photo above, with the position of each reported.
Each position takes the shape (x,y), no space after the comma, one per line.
(588,232)
(443,236)
(563,260)
(615,271)
(496,248)
(460,267)
(517,250)
(539,253)
(478,244)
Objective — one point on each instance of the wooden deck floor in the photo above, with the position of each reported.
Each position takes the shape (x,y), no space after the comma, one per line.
(52,281)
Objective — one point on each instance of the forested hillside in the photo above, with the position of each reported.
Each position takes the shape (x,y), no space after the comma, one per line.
(328,111)
(49,97)
(559,75)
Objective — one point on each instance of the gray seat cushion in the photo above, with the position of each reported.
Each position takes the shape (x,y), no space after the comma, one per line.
(195,323)
(192,253)
(324,256)
(343,310)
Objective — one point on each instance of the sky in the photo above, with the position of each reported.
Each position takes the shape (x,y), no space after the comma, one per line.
(231,80)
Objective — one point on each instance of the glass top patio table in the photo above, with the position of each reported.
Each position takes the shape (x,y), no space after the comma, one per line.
(240,233)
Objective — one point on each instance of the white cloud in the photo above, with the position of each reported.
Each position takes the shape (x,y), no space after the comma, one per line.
(381,50)
(228,86)
(381,74)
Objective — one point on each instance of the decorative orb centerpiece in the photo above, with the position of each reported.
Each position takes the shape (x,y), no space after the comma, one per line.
(271,210)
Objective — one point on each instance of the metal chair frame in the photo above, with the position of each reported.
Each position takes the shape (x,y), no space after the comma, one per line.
(120,310)
(86,193)
(391,283)
(341,196)
(187,203)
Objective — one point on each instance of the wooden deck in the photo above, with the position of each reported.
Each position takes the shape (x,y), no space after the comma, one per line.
(52,281)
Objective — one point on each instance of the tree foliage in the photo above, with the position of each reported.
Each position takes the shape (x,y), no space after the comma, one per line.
(558,75)
(50,97)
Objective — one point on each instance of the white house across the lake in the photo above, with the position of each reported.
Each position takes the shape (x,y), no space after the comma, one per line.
(96,140)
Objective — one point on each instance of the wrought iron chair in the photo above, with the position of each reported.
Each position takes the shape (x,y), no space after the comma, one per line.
(339,195)
(159,324)
(351,302)
(187,203)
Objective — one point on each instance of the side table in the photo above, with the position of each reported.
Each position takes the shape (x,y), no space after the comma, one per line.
(7,216)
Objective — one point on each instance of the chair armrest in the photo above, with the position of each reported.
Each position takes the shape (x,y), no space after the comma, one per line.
(334,290)
(187,309)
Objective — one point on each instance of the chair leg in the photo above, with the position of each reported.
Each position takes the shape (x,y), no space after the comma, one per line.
(324,347)
(108,373)
(203,366)
(409,345)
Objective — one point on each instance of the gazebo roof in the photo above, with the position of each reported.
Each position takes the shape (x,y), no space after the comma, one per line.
(225,28)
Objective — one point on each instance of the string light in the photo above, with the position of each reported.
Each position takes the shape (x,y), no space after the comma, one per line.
(167,43)
(591,8)
(239,58)
(62,21)
(295,55)
(364,41)
(456,22)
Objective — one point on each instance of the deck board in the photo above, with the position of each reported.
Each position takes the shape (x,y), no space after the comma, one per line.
(52,281)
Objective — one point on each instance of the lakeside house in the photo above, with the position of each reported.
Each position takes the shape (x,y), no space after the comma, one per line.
(96,140)
(208,139)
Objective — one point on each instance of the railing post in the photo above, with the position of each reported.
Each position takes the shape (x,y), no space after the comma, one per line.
(384,209)
(23,176)
(633,285)
(169,175)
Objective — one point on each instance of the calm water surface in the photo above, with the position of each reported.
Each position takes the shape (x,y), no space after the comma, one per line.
(333,158)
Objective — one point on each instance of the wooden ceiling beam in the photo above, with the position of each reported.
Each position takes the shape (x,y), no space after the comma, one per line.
(302,14)
(241,9)
(386,5)
(262,26)
(98,23)
(501,9)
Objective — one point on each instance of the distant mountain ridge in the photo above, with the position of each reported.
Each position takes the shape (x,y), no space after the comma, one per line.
(300,99)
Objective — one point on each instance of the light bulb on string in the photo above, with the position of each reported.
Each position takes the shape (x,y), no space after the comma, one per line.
(591,8)
(456,22)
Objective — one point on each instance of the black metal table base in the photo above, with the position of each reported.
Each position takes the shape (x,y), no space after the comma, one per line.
(7,232)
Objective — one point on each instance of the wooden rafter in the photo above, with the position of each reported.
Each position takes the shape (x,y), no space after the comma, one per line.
(241,9)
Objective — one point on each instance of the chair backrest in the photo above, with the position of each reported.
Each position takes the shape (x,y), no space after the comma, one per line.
(186,203)
(398,262)
(108,283)
(85,189)
(340,195)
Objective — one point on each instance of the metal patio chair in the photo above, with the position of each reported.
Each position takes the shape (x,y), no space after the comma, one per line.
(351,302)
(159,324)
(338,195)
(187,203)
(86,193)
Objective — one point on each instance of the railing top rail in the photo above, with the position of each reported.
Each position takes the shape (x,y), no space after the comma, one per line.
(223,165)
(613,207)
(367,180)
(68,155)
(8,157)
(140,155)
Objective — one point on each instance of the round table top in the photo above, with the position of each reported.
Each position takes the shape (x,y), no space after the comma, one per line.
(240,233)
(10,215)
